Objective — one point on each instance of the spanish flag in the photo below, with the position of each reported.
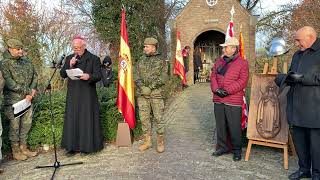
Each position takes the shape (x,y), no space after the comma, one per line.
(125,99)
(179,65)
(244,115)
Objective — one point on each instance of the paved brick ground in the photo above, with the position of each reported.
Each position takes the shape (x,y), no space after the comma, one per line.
(189,144)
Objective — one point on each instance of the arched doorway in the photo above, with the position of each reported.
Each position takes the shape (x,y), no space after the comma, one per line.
(207,44)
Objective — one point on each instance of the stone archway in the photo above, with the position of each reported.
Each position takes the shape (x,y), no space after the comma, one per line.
(207,44)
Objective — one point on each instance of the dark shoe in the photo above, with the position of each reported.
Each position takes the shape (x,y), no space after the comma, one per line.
(184,86)
(236,157)
(219,152)
(299,175)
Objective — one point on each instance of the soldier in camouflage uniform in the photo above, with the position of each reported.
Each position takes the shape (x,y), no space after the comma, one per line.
(20,83)
(150,76)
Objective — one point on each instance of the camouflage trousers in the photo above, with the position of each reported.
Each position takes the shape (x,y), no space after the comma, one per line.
(146,106)
(20,126)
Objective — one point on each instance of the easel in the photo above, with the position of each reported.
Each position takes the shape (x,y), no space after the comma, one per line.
(271,143)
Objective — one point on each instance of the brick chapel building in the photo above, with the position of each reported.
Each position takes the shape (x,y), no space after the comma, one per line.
(203,24)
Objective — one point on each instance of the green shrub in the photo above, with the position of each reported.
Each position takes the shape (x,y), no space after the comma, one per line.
(40,132)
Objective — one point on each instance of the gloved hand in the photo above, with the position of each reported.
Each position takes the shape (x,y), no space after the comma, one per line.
(146,91)
(221,92)
(294,78)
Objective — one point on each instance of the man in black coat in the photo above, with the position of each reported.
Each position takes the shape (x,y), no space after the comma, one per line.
(197,64)
(303,102)
(82,131)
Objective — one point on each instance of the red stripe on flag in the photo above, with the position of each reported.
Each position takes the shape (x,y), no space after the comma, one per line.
(125,107)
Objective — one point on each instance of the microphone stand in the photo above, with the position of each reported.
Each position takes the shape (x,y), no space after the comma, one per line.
(56,165)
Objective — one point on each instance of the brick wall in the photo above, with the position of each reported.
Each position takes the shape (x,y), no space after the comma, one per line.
(197,17)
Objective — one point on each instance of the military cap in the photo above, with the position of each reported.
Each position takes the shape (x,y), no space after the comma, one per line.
(14,43)
(150,41)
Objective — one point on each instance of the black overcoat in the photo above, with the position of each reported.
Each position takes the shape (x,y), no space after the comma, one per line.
(82,126)
(303,99)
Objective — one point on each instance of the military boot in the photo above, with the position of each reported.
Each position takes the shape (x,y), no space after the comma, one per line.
(17,154)
(26,151)
(146,144)
(160,143)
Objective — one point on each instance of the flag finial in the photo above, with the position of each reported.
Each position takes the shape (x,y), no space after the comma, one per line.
(232,12)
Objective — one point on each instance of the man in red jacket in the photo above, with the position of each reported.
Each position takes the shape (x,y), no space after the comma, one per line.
(229,77)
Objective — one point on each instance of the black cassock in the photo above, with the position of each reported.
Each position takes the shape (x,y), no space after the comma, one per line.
(82,127)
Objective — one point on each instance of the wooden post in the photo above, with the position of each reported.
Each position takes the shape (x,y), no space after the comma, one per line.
(285,67)
(274,69)
(265,68)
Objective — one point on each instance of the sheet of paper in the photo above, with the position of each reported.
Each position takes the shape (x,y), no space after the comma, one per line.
(74,74)
(21,107)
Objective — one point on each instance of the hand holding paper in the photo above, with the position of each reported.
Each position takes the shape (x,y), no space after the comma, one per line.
(74,74)
(21,107)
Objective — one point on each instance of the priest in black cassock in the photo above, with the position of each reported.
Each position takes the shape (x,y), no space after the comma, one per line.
(82,130)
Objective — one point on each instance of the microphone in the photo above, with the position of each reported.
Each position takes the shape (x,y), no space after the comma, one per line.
(57,64)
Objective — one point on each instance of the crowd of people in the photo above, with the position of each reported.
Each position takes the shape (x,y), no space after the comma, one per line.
(82,132)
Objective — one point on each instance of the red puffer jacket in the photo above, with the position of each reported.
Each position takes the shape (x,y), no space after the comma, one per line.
(234,80)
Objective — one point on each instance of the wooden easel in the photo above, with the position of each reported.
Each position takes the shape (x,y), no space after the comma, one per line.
(271,143)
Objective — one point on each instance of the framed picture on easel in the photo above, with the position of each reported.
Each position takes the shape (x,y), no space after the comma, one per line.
(267,121)
(267,115)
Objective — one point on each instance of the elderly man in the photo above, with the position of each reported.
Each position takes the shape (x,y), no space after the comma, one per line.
(303,99)
(229,77)
(20,83)
(82,130)
(151,75)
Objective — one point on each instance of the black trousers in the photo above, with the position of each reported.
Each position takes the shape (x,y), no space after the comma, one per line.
(196,75)
(307,144)
(228,118)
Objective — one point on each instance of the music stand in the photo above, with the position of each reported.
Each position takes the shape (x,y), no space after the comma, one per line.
(56,163)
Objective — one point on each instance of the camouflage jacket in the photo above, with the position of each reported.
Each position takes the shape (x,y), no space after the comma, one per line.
(151,71)
(20,78)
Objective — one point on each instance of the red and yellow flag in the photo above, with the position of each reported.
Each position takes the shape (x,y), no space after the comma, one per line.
(179,65)
(125,99)
(244,114)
